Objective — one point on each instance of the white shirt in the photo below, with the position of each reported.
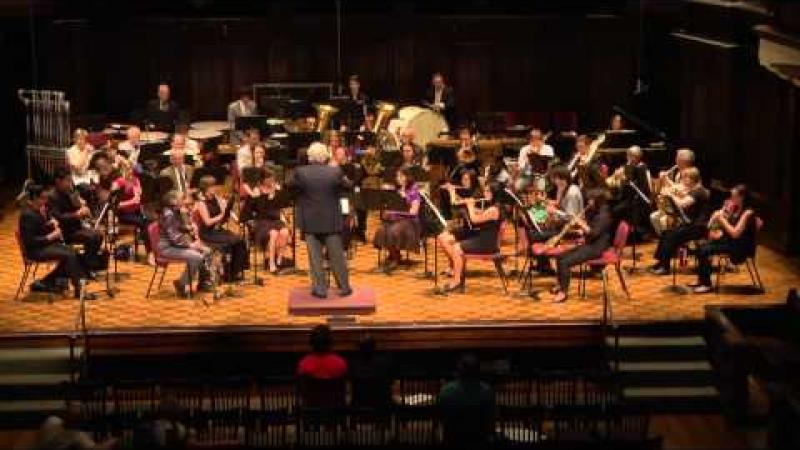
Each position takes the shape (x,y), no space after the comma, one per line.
(244,157)
(544,150)
(131,149)
(79,167)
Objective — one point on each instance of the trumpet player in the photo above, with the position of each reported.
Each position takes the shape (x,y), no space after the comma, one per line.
(693,201)
(669,181)
(732,230)
(596,230)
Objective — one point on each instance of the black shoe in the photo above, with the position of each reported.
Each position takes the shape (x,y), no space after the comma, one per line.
(205,286)
(180,289)
(459,288)
(40,286)
(345,292)
(319,294)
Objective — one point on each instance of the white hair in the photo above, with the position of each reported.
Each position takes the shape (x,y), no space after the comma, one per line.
(318,153)
(686,154)
(635,151)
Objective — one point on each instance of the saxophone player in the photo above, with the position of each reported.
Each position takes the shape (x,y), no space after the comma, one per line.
(180,240)
(670,180)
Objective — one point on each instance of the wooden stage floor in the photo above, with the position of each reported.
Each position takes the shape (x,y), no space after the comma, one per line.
(403,299)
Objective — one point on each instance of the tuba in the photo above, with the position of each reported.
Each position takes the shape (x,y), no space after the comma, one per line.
(324,114)
(385,111)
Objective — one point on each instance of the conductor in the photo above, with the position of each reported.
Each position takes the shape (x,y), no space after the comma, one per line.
(318,187)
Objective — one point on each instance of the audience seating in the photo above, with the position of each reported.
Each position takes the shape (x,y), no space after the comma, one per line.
(542,409)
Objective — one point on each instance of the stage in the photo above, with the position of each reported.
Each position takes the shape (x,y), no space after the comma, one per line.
(407,312)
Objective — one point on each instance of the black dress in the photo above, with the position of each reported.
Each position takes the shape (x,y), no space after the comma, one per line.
(266,216)
(226,241)
(483,240)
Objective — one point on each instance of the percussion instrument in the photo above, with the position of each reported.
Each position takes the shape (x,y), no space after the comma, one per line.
(153,137)
(203,134)
(426,123)
(211,125)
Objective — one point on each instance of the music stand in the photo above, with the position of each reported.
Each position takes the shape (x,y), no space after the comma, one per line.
(391,159)
(259,122)
(382,200)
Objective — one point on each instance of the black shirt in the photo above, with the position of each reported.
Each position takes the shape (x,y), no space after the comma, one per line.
(699,212)
(63,205)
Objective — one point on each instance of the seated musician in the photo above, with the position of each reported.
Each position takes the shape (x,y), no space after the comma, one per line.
(70,210)
(629,204)
(407,136)
(111,150)
(79,158)
(178,172)
(244,155)
(481,239)
(466,156)
(212,213)
(190,147)
(454,194)
(242,107)
(269,229)
(132,146)
(732,230)
(129,210)
(43,240)
(410,158)
(596,229)
(372,172)
(400,229)
(586,168)
(369,122)
(211,165)
(568,203)
(253,174)
(616,123)
(179,240)
(535,146)
(693,201)
(684,158)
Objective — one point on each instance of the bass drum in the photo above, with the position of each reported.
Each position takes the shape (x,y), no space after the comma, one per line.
(426,123)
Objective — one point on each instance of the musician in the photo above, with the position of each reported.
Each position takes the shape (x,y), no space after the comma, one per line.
(372,172)
(693,200)
(568,203)
(210,164)
(455,194)
(244,106)
(629,204)
(369,122)
(71,211)
(410,159)
(212,212)
(466,155)
(42,240)
(129,210)
(319,186)
(179,240)
(535,147)
(193,147)
(162,112)
(596,229)
(585,168)
(132,145)
(732,230)
(253,175)
(684,158)
(616,123)
(244,155)
(269,228)
(178,172)
(407,136)
(481,239)
(440,98)
(111,150)
(79,158)
(357,104)
(400,229)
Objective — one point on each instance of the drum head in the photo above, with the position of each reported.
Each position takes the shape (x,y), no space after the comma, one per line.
(212,125)
(426,123)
